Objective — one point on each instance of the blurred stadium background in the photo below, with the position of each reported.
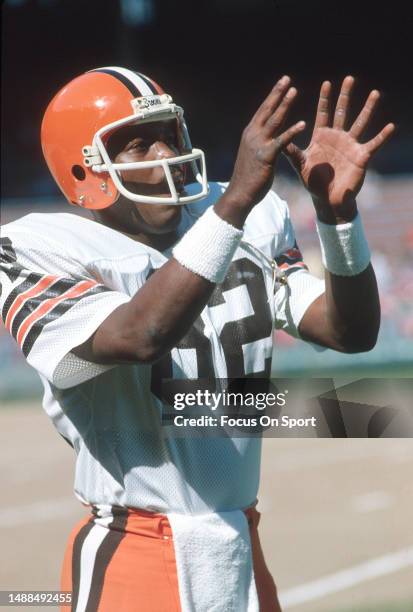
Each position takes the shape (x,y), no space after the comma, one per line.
(387,211)
(328,505)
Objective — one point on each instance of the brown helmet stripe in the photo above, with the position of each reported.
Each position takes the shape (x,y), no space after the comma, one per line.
(137,83)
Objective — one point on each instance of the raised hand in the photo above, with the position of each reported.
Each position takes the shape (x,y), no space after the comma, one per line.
(333,166)
(262,141)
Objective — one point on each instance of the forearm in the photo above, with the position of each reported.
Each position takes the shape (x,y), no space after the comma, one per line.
(347,317)
(155,319)
(163,310)
(353,310)
(181,289)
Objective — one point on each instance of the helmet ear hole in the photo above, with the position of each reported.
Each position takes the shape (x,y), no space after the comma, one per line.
(78,172)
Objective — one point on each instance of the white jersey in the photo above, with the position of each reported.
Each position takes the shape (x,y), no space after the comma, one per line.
(62,275)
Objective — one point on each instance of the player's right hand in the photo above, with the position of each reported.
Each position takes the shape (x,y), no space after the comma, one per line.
(262,141)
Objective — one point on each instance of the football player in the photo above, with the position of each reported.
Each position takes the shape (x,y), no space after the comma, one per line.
(174,283)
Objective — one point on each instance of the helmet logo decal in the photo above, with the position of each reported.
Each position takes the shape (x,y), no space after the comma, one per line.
(146,103)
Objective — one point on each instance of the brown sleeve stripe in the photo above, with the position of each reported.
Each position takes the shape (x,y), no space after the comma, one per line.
(51,309)
(8,259)
(23,286)
(39,287)
(7,253)
(11,269)
(60,286)
(48,304)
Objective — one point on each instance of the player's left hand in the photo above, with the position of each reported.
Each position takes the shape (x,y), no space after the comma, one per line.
(333,166)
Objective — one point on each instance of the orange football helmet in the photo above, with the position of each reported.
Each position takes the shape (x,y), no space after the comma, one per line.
(81,117)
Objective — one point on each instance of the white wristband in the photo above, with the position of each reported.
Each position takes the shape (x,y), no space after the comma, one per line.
(344,247)
(208,247)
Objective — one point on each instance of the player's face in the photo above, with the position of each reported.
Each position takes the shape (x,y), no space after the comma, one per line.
(148,142)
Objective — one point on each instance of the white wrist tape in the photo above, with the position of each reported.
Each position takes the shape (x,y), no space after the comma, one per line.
(208,247)
(344,247)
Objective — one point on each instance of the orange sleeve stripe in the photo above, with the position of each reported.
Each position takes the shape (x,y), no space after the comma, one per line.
(299,264)
(47,305)
(38,288)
